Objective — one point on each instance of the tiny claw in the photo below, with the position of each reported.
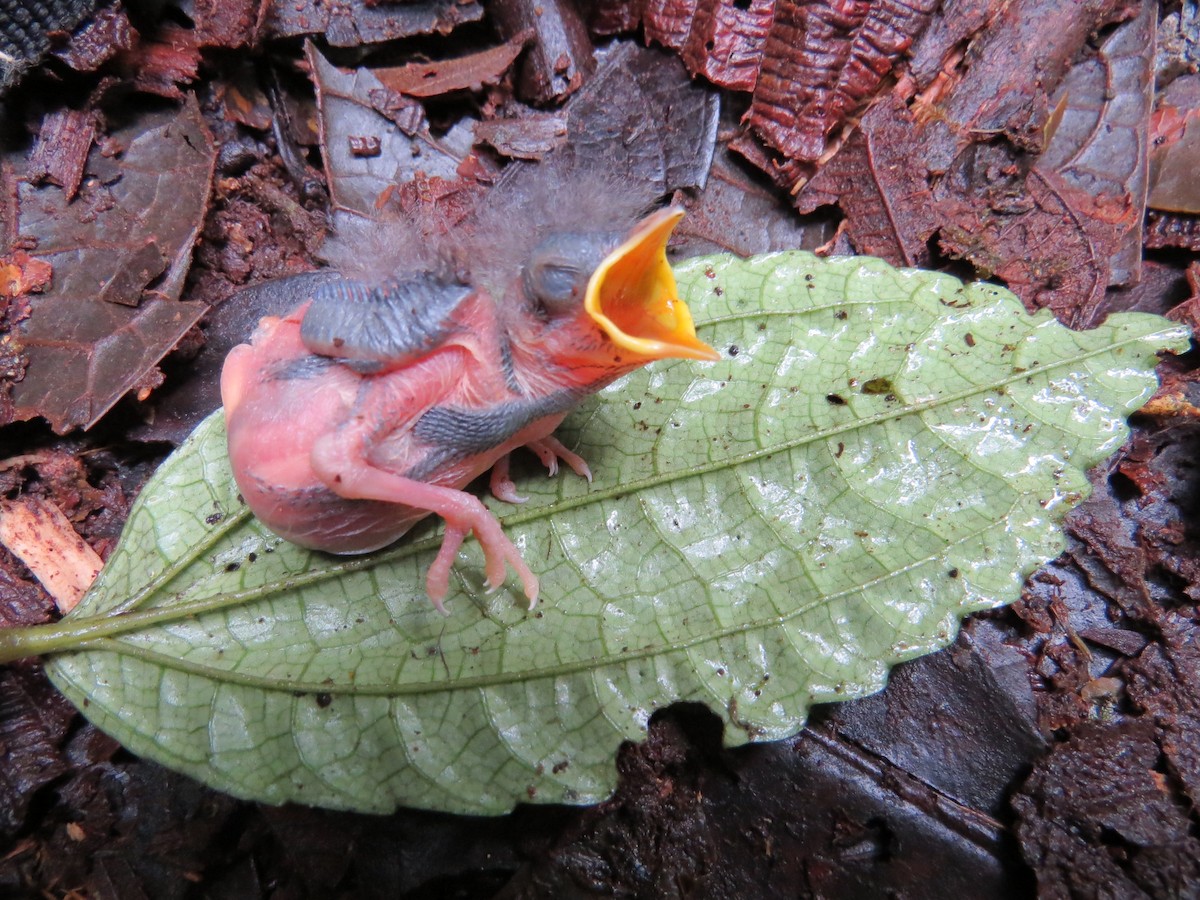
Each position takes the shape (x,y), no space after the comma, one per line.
(503,487)
(550,450)
(507,491)
(437,579)
(532,590)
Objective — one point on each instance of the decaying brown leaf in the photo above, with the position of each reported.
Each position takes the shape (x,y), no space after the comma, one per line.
(350,105)
(119,254)
(1176,154)
(1101,144)
(883,191)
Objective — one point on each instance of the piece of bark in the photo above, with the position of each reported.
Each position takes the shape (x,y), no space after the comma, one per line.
(1051,243)
(821,62)
(560,59)
(355,22)
(463,73)
(161,62)
(1097,819)
(62,148)
(38,534)
(719,39)
(1172,230)
(229,24)
(805,50)
(939,49)
(99,39)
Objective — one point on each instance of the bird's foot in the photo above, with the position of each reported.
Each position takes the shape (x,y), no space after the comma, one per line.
(502,486)
(550,450)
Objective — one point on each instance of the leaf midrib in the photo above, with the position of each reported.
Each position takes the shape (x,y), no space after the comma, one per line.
(455,683)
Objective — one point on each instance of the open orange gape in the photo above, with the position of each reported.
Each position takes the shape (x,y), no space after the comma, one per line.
(632,295)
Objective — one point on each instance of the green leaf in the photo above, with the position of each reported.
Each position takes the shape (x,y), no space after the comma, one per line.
(880,453)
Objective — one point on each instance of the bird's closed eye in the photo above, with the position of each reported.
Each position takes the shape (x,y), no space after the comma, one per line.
(556,288)
(557,273)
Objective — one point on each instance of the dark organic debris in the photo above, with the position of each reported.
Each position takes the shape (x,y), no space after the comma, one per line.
(358,22)
(560,59)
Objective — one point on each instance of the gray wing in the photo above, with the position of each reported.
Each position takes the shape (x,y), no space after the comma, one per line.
(375,328)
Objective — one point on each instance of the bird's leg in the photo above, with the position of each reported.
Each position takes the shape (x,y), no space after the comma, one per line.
(341,465)
(550,450)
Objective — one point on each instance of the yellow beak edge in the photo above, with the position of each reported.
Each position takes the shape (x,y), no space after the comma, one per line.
(632,295)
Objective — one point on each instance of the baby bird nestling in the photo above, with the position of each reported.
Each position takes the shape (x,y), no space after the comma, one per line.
(385,393)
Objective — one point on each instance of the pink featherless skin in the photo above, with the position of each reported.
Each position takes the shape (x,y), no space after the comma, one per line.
(379,398)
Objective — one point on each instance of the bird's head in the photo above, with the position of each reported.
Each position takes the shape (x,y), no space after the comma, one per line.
(602,303)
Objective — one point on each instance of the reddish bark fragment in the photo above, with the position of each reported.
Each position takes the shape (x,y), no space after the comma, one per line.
(354,22)
(229,23)
(1100,145)
(160,65)
(941,46)
(360,145)
(21,273)
(821,61)
(726,42)
(1096,812)
(432,79)
(103,36)
(669,22)
(1165,682)
(62,148)
(561,57)
(1008,72)
(889,208)
(888,31)
(1172,230)
(785,173)
(615,16)
(804,54)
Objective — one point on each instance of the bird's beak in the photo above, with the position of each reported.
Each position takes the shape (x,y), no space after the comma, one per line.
(633,298)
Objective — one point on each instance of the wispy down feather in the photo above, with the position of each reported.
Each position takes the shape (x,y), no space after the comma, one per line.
(488,249)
